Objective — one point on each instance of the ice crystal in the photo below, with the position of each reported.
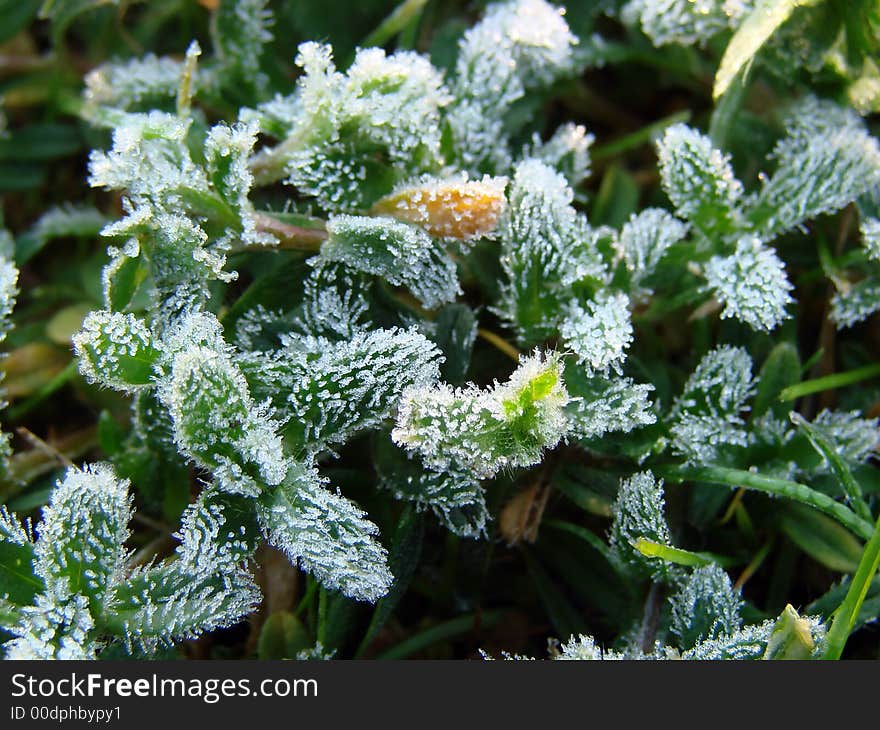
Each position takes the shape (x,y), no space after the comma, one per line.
(401,253)
(456,208)
(117,350)
(383,103)
(327,535)
(484,431)
(600,333)
(854,303)
(699,180)
(751,284)
(546,247)
(517,46)
(599,406)
(825,161)
(567,151)
(684,22)
(645,239)
(708,413)
(705,606)
(638,513)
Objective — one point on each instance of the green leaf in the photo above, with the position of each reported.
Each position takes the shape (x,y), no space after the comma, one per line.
(757,28)
(823,539)
(456,330)
(16,15)
(17,580)
(282,636)
(848,613)
(841,470)
(780,370)
(406,549)
(651,549)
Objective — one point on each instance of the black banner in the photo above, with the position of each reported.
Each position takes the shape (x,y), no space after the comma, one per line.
(217,694)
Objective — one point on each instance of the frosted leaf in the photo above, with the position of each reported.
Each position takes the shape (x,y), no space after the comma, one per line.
(334,302)
(645,238)
(699,180)
(584,648)
(455,207)
(455,498)
(567,151)
(13,531)
(751,284)
(276,117)
(638,513)
(384,106)
(171,601)
(854,438)
(484,431)
(116,350)
(259,328)
(855,303)
(705,606)
(401,253)
(870,231)
(518,46)
(826,160)
(750,642)
(795,637)
(684,22)
(80,547)
(8,293)
(218,425)
(80,221)
(601,406)
(544,249)
(328,391)
(327,535)
(213,538)
(134,84)
(240,31)
(707,415)
(227,149)
(55,627)
(600,333)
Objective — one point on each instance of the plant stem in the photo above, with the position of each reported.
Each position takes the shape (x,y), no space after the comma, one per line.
(776,487)
(500,343)
(829,382)
(289,236)
(845,616)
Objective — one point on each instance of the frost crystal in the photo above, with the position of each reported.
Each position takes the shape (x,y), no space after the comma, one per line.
(638,512)
(117,350)
(545,248)
(705,606)
(707,415)
(870,230)
(401,253)
(601,333)
(327,535)
(334,302)
(601,406)
(456,208)
(853,437)
(684,22)
(326,391)
(134,84)
(855,303)
(385,106)
(240,31)
(518,46)
(567,151)
(751,284)
(217,423)
(699,180)
(455,498)
(826,160)
(483,432)
(644,240)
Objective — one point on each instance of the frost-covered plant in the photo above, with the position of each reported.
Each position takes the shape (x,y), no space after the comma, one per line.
(370,297)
